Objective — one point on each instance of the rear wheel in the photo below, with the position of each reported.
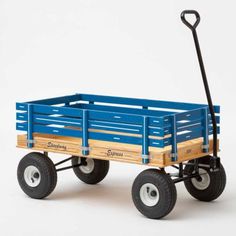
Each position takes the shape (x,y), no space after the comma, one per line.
(37,175)
(92,171)
(154,193)
(209,186)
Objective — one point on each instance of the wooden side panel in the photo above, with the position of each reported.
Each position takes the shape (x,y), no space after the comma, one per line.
(159,157)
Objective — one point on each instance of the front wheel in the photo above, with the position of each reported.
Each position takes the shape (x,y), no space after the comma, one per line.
(209,185)
(154,193)
(37,175)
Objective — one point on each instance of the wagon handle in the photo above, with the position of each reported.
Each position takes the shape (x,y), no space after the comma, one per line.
(214,160)
(187,23)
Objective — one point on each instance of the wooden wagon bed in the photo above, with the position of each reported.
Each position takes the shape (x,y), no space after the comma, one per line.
(157,133)
(159,157)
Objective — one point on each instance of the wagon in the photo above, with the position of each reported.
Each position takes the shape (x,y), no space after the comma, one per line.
(94,130)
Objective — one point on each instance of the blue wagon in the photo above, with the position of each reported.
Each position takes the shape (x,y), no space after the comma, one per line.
(95,129)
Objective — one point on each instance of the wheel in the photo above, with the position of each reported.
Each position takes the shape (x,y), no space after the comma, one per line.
(36,175)
(93,172)
(154,193)
(209,185)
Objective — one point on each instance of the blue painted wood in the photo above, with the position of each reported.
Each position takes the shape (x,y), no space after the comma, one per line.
(205,130)
(190,128)
(57,131)
(189,115)
(115,138)
(85,145)
(189,136)
(196,133)
(174,150)
(22,126)
(22,116)
(145,152)
(53,110)
(158,143)
(21,106)
(57,120)
(159,121)
(159,132)
(116,127)
(30,126)
(181,125)
(217,119)
(211,130)
(143,102)
(40,116)
(57,100)
(138,111)
(115,117)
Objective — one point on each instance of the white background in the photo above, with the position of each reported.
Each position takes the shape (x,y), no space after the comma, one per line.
(128,48)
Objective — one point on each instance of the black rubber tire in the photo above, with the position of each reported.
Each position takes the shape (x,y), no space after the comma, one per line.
(47,171)
(216,185)
(99,172)
(166,189)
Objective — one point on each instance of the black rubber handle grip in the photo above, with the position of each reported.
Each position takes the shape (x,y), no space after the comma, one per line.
(187,23)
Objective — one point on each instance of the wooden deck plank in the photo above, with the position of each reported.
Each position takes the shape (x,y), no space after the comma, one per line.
(159,157)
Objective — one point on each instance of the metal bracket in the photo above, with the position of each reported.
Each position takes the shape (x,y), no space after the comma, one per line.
(174,156)
(145,157)
(30,141)
(205,147)
(85,148)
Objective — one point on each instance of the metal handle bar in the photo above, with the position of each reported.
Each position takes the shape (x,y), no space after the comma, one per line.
(204,78)
(187,23)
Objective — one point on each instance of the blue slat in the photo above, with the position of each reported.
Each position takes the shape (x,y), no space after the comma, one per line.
(21,126)
(217,119)
(57,120)
(156,132)
(159,121)
(141,102)
(133,129)
(211,130)
(23,116)
(57,110)
(129,110)
(189,115)
(21,106)
(181,125)
(57,131)
(158,143)
(57,100)
(216,109)
(115,138)
(191,128)
(115,117)
(189,136)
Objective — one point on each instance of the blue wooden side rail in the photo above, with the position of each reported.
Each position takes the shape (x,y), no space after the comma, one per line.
(151,123)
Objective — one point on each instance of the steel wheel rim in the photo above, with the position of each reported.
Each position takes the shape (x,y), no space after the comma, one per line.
(149,194)
(89,167)
(204,182)
(32,176)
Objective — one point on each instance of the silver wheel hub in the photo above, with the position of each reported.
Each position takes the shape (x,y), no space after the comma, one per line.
(32,176)
(203,182)
(89,167)
(149,194)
